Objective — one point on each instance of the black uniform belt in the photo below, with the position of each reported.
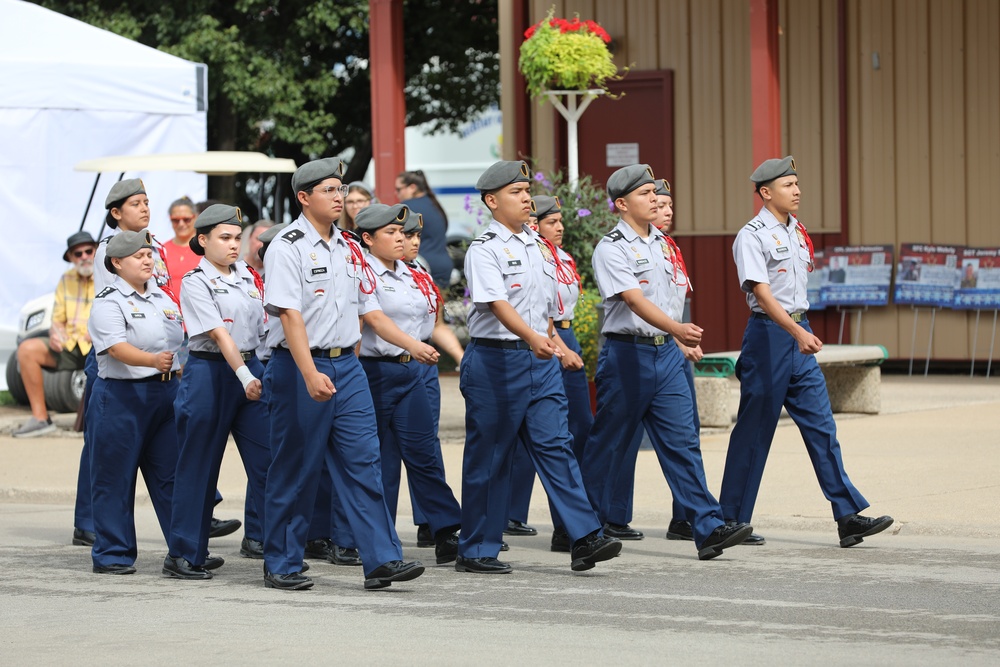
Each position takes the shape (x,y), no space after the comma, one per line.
(218,356)
(331,352)
(501,344)
(162,377)
(563,324)
(401,359)
(796,317)
(638,340)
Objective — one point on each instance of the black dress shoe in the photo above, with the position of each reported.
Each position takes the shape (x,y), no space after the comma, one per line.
(622,532)
(252,549)
(425,538)
(725,536)
(679,529)
(752,540)
(321,549)
(446,547)
(223,527)
(181,568)
(482,566)
(504,546)
(344,556)
(116,568)
(560,541)
(593,549)
(854,528)
(518,529)
(296,581)
(213,562)
(395,570)
(83,538)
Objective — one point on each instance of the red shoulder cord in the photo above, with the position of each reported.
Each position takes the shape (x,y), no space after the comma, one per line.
(427,287)
(258,282)
(166,287)
(564,274)
(679,259)
(809,244)
(358,259)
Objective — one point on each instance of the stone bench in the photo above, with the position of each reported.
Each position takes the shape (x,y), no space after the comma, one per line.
(853,381)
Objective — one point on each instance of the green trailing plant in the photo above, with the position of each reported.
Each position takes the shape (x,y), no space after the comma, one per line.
(565,54)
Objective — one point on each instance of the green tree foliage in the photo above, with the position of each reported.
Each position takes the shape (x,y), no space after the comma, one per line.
(291,78)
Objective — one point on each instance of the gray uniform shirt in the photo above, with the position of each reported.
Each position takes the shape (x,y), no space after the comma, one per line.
(210,300)
(397,295)
(150,322)
(320,281)
(503,266)
(622,261)
(769,252)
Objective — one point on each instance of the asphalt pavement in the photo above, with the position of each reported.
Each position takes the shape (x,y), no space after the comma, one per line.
(926,592)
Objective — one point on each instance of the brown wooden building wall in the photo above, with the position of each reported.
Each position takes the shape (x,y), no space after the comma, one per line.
(908,152)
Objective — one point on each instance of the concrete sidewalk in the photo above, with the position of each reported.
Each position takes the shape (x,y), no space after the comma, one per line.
(930,460)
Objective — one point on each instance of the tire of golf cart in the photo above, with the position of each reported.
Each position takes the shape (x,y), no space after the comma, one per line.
(14,384)
(64,390)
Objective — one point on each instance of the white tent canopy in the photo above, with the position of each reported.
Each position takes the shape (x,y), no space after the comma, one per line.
(73,92)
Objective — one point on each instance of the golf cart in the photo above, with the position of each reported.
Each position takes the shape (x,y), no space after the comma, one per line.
(64,389)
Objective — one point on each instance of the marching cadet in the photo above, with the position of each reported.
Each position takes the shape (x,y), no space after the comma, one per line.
(640,371)
(137,331)
(392,354)
(548,221)
(221,388)
(512,384)
(318,283)
(777,366)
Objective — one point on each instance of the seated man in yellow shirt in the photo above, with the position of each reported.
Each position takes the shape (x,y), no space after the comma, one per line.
(68,342)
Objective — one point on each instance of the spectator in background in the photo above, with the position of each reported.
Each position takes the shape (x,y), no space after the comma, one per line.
(177,252)
(251,245)
(68,342)
(359,196)
(413,191)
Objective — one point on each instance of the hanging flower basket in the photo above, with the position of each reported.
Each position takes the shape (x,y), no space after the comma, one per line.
(566,54)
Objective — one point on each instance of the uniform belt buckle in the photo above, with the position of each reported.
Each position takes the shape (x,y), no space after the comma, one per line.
(564,324)
(335,352)
(246,355)
(404,358)
(166,377)
(659,340)
(796,317)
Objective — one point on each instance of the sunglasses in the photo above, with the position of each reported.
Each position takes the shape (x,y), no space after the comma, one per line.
(179,220)
(86,252)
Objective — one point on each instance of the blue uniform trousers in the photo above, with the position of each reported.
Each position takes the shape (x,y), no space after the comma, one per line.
(329,520)
(773,373)
(211,403)
(304,433)
(83,514)
(403,409)
(581,420)
(433,386)
(620,511)
(511,394)
(646,384)
(133,429)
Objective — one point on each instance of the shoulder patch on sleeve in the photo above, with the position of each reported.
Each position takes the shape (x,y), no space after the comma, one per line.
(293,235)
(614,235)
(755,225)
(104,292)
(485,237)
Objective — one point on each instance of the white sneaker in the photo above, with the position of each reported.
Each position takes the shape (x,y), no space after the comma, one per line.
(34,428)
